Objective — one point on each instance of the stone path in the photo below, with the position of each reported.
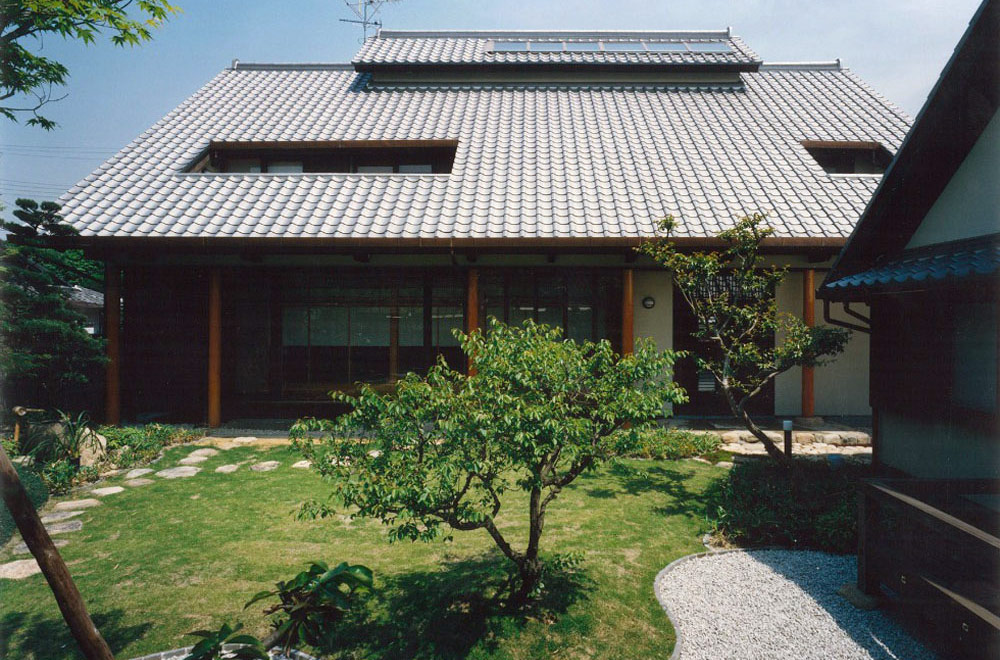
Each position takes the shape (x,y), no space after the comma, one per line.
(60,519)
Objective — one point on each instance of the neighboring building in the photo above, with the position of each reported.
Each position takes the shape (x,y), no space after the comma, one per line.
(926,258)
(293,228)
(88,302)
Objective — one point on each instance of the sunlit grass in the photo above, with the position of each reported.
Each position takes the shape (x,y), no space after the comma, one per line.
(158,561)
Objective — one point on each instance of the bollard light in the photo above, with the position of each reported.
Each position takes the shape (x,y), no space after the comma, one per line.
(786,426)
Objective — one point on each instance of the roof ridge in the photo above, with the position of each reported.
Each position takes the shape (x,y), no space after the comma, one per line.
(287,66)
(833,65)
(554,34)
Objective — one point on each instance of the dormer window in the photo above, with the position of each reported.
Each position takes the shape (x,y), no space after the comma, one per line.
(355,157)
(849,157)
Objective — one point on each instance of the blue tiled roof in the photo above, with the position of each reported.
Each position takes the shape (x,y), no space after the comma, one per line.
(946,261)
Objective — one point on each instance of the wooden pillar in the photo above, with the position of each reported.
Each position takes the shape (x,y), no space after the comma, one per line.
(472,306)
(809,317)
(628,295)
(112,337)
(214,348)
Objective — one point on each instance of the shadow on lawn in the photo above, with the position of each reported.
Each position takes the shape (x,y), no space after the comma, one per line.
(444,614)
(43,636)
(661,479)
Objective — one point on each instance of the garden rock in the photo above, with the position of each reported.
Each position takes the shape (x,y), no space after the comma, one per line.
(64,527)
(179,472)
(138,472)
(93,448)
(302,465)
(192,459)
(724,464)
(60,515)
(265,466)
(20,569)
(226,469)
(207,452)
(133,483)
(109,490)
(22,547)
(246,440)
(77,504)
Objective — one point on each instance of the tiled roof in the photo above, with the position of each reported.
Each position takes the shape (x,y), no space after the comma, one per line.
(466,48)
(943,261)
(83,297)
(534,160)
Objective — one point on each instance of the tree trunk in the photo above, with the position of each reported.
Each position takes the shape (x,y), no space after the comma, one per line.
(740,412)
(529,567)
(91,644)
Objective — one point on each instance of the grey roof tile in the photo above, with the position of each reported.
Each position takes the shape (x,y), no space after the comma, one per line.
(544,160)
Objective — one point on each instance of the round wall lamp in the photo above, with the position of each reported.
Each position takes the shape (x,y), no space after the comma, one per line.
(648,302)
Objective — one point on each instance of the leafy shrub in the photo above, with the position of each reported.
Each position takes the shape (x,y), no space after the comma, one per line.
(212,642)
(57,436)
(59,475)
(136,445)
(37,493)
(312,602)
(673,444)
(812,505)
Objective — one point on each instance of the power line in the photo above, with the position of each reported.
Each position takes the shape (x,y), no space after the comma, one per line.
(53,156)
(42,147)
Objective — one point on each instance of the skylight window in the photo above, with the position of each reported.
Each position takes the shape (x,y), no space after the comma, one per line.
(622,46)
(665,46)
(709,47)
(672,46)
(546,46)
(582,46)
(510,46)
(361,157)
(849,157)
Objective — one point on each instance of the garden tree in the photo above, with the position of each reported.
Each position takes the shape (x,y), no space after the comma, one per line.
(533,414)
(26,74)
(44,347)
(752,342)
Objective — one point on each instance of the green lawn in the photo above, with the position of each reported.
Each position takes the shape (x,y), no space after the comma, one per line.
(161,560)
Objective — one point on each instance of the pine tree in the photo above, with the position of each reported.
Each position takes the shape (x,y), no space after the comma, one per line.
(45,349)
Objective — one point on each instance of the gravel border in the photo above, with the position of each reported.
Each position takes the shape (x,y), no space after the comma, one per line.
(706,603)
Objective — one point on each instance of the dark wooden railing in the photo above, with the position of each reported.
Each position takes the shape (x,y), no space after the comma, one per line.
(933,547)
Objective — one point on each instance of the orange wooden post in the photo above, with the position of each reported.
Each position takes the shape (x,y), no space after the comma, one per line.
(214,348)
(809,317)
(112,338)
(628,294)
(472,306)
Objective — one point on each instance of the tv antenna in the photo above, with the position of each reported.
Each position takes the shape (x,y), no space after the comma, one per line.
(366,12)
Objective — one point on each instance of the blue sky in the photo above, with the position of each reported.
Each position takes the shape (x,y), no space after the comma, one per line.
(114,94)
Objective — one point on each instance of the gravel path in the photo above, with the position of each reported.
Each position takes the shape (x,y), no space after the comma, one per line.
(775,604)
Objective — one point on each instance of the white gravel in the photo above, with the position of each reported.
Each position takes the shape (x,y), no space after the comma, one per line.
(775,604)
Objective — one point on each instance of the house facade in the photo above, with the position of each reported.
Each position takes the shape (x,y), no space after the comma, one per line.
(295,228)
(925,259)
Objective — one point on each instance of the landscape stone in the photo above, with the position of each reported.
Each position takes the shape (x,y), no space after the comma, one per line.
(302,464)
(246,440)
(17,570)
(64,527)
(109,490)
(226,469)
(60,515)
(132,483)
(22,547)
(204,451)
(192,459)
(179,472)
(93,448)
(114,472)
(77,504)
(138,472)
(724,464)
(265,466)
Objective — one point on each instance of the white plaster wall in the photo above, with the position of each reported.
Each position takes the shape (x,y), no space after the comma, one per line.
(841,387)
(970,204)
(658,322)
(936,450)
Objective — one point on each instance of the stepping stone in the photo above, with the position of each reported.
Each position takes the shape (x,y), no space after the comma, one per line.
(133,483)
(64,527)
(226,469)
(204,451)
(138,472)
(77,504)
(724,464)
(20,569)
(179,472)
(22,547)
(109,490)
(60,515)
(248,440)
(110,473)
(265,466)
(302,464)
(192,459)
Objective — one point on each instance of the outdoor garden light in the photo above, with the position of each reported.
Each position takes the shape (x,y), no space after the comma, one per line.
(648,302)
